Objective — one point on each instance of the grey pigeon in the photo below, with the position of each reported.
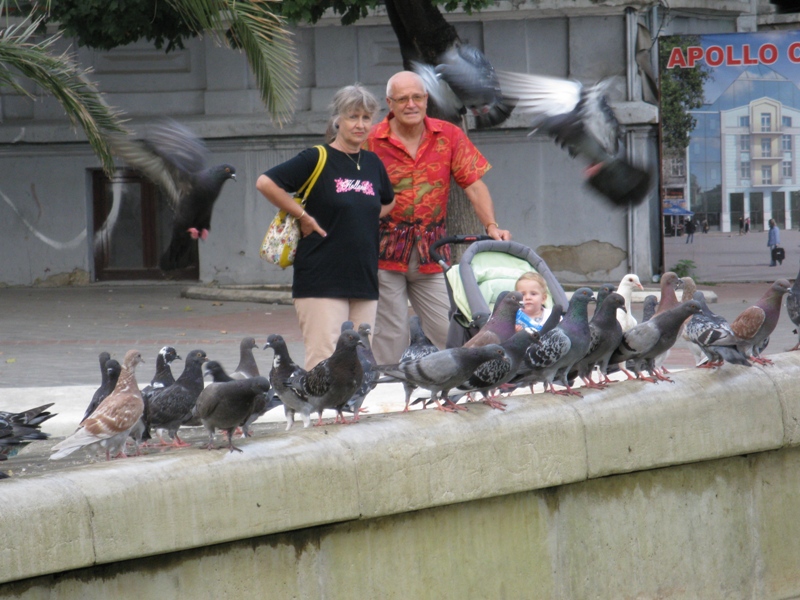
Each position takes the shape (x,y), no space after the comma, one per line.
(463,79)
(580,119)
(226,405)
(643,343)
(17,430)
(162,378)
(263,402)
(649,307)
(558,350)
(442,371)
(603,292)
(217,372)
(367,359)
(419,345)
(111,370)
(332,382)
(606,334)
(501,325)
(756,323)
(793,309)
(713,336)
(108,426)
(176,160)
(247,366)
(171,407)
(283,370)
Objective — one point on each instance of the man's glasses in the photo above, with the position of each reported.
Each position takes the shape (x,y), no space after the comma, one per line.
(403,100)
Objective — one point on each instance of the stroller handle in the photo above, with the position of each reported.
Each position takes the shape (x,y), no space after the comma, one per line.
(453,239)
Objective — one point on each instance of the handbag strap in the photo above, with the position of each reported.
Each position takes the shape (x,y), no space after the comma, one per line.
(323,155)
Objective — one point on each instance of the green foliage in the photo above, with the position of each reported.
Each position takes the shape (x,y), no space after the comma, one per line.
(681,91)
(311,11)
(684,268)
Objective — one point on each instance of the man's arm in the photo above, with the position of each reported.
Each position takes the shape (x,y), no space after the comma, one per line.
(481,200)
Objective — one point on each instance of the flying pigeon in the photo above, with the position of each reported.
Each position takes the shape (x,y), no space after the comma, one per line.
(501,325)
(226,405)
(558,350)
(442,371)
(463,79)
(756,323)
(627,285)
(171,407)
(580,119)
(333,381)
(110,370)
(712,336)
(247,366)
(793,308)
(283,370)
(367,359)
(643,343)
(176,160)
(606,334)
(17,430)
(108,426)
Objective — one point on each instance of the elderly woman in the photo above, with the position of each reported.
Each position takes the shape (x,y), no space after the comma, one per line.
(336,267)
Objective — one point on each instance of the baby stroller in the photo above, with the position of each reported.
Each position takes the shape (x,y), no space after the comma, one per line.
(487,268)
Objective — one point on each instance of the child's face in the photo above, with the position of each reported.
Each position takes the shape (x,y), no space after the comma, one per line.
(533,297)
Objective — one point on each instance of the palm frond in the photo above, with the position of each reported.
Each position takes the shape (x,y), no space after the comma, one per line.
(58,75)
(255,27)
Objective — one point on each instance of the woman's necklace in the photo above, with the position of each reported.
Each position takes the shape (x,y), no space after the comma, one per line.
(357,162)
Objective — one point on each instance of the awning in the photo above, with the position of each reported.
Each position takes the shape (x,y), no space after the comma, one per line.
(677,211)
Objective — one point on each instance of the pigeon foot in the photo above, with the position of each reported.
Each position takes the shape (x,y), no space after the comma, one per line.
(194,233)
(496,404)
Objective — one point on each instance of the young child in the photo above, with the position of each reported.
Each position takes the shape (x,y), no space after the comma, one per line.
(533,288)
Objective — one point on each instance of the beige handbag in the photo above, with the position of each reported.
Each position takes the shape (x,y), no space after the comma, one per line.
(280,242)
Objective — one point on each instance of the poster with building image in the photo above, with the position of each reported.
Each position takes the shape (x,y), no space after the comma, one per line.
(730,130)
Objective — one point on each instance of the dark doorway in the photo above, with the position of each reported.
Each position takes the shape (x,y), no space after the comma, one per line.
(132,224)
(756,211)
(779,208)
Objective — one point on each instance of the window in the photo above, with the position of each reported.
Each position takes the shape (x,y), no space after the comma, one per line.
(766,122)
(766,175)
(744,121)
(766,148)
(744,170)
(787,168)
(786,142)
(786,121)
(677,167)
(744,143)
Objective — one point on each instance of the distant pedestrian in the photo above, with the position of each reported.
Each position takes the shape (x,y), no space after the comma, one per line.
(773,241)
(690,231)
(747,226)
(705,225)
(741,225)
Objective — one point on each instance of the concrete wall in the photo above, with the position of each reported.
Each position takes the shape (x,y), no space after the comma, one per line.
(685,490)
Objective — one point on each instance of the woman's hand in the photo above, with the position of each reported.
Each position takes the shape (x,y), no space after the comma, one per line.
(309,225)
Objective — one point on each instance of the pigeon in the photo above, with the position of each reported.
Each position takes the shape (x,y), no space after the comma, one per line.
(688,289)
(606,334)
(17,430)
(262,404)
(558,350)
(625,289)
(419,345)
(162,378)
(501,325)
(793,309)
(226,405)
(603,292)
(333,381)
(756,323)
(367,359)
(463,79)
(712,336)
(649,307)
(217,372)
(669,299)
(580,119)
(283,370)
(110,370)
(171,407)
(247,366)
(108,426)
(176,160)
(441,371)
(643,343)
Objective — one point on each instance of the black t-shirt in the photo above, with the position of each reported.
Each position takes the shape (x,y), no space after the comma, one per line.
(346,202)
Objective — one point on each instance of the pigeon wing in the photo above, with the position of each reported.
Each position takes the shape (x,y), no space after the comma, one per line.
(748,323)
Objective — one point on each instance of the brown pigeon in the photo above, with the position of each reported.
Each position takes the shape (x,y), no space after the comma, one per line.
(757,322)
(108,426)
(669,283)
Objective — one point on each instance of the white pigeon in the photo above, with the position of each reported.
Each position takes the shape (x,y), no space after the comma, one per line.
(625,289)
(108,426)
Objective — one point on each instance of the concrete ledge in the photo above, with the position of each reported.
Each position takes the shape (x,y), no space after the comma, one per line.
(390,465)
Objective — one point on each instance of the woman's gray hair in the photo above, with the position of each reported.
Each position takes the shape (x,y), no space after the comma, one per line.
(347,99)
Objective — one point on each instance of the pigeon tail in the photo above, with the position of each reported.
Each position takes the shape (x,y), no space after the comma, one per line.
(621,182)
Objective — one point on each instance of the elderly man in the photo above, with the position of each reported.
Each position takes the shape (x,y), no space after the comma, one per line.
(421,154)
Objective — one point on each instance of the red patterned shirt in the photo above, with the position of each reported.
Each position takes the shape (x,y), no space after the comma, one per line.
(422,188)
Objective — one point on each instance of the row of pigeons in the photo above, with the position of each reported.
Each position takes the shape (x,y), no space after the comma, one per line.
(498,359)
